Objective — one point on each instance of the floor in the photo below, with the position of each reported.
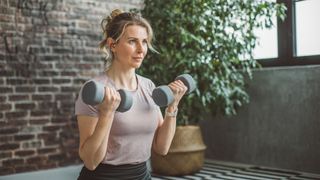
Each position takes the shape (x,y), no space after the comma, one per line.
(212,170)
(217,170)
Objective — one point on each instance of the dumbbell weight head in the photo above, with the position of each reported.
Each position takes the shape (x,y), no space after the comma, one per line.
(93,94)
(126,101)
(187,81)
(162,95)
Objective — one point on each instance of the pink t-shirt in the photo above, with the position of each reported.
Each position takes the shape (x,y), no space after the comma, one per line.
(132,132)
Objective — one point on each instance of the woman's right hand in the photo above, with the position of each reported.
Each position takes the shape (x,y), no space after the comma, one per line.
(111,100)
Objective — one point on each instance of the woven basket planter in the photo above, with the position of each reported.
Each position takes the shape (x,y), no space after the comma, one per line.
(185,156)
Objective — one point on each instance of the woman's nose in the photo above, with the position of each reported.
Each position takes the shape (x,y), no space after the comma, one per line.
(139,47)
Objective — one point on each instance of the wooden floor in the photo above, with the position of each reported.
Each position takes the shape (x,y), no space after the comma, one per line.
(216,170)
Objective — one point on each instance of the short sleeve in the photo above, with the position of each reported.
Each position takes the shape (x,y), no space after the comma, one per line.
(82,108)
(151,87)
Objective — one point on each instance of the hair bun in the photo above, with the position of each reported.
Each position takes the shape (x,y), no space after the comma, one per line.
(115,13)
(107,20)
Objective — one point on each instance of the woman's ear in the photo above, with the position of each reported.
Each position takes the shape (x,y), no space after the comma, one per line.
(111,44)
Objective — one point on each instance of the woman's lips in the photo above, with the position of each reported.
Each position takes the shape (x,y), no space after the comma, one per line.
(138,58)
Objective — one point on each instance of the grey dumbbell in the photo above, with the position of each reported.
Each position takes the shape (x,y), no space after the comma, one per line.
(93,94)
(163,95)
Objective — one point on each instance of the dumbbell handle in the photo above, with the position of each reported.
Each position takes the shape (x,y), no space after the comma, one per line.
(93,93)
(187,81)
(163,95)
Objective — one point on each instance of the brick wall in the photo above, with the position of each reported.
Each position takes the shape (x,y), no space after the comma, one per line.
(48,48)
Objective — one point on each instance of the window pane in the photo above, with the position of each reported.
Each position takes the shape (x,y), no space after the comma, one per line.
(307,27)
(267,45)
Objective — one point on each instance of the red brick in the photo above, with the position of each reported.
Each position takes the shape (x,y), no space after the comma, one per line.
(48,165)
(17,114)
(7,170)
(37,160)
(10,146)
(6,155)
(59,120)
(3,99)
(31,144)
(4,90)
(45,97)
(40,113)
(46,150)
(66,89)
(52,128)
(79,81)
(6,138)
(26,168)
(6,18)
(18,97)
(26,89)
(23,137)
(24,153)
(39,121)
(48,89)
(63,97)
(5,107)
(61,81)
(18,122)
(6,73)
(8,130)
(25,106)
(69,73)
(48,105)
(57,157)
(16,81)
(41,81)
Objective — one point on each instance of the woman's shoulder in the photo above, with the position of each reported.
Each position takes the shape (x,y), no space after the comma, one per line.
(146,82)
(101,78)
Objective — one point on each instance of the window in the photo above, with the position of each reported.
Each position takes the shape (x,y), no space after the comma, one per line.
(307,27)
(267,46)
(297,37)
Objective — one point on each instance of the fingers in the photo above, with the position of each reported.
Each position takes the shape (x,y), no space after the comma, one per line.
(111,99)
(112,94)
(178,87)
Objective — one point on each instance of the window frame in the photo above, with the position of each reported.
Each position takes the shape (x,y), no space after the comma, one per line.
(287,43)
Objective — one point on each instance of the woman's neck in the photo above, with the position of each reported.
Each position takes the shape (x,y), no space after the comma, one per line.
(123,78)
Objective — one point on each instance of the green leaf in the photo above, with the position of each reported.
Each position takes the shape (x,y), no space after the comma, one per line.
(207,39)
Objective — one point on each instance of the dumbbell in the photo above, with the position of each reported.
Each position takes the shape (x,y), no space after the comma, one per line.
(163,95)
(93,94)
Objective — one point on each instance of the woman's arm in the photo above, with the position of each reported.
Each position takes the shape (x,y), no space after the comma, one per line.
(167,127)
(94,132)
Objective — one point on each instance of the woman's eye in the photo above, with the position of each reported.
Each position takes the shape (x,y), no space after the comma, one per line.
(131,41)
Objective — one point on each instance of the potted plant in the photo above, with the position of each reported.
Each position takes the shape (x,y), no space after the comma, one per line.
(212,41)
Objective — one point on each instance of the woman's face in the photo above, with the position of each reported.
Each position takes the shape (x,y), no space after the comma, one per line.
(132,47)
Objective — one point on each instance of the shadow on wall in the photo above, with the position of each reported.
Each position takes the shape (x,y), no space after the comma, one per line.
(278,128)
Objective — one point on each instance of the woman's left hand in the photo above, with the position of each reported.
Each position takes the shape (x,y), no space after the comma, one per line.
(178,89)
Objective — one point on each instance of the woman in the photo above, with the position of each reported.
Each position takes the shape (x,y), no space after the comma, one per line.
(115,145)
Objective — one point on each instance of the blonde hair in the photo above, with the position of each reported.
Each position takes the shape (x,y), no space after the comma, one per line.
(114,26)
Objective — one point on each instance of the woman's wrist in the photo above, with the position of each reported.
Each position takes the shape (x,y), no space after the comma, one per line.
(171,111)
(173,106)
(107,114)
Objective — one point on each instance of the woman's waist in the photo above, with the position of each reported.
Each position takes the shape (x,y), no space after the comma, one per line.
(132,166)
